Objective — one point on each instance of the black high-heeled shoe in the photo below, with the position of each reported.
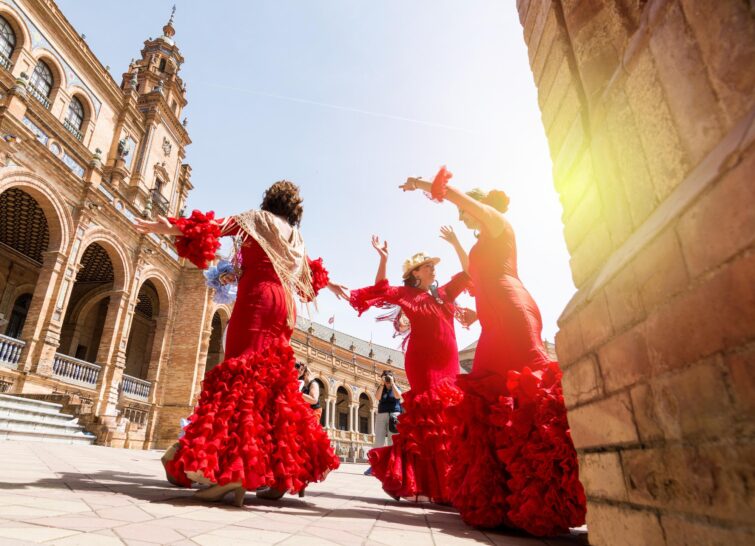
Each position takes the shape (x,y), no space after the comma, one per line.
(269,493)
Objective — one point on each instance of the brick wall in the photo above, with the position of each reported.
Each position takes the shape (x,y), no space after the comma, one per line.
(648,107)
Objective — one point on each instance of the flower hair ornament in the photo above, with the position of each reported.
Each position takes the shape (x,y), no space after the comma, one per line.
(218,277)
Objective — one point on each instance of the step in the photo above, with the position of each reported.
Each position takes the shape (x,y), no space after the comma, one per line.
(32,425)
(10,408)
(82,438)
(36,416)
(19,401)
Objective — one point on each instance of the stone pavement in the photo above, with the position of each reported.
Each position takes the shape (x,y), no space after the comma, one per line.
(70,495)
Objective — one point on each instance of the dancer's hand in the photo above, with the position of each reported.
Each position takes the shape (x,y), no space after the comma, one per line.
(382,248)
(466,316)
(340,291)
(162,225)
(411,184)
(448,234)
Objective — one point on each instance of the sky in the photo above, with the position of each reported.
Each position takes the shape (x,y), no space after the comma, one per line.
(347,98)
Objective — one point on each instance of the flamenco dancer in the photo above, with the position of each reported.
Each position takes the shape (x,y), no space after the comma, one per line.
(514,462)
(417,463)
(251,427)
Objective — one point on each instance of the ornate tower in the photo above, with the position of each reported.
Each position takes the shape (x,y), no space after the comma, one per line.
(158,181)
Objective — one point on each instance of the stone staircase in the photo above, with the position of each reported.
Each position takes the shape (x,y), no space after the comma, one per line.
(35,420)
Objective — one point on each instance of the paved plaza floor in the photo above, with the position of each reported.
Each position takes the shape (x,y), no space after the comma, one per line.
(63,494)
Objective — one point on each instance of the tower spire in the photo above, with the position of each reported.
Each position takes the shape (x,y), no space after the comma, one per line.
(168,30)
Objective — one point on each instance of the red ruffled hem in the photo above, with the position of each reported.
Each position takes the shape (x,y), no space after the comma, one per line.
(199,241)
(252,426)
(438,190)
(514,462)
(417,463)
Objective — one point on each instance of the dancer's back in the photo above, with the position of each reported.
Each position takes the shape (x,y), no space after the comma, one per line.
(259,315)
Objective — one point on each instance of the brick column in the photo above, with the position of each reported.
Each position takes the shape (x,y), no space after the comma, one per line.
(189,336)
(650,121)
(111,354)
(42,328)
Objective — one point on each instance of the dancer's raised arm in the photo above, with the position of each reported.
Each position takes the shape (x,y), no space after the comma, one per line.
(161,226)
(382,250)
(488,217)
(448,234)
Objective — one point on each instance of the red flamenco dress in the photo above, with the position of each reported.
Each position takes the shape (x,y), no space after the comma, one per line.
(251,424)
(417,463)
(514,462)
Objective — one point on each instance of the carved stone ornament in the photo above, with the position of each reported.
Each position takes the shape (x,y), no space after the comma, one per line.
(167,146)
(122,149)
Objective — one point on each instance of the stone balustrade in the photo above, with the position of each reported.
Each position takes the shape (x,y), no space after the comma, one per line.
(10,351)
(75,371)
(135,388)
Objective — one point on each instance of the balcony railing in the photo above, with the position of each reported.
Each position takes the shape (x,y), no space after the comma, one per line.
(44,101)
(135,415)
(10,351)
(73,130)
(73,370)
(160,201)
(5,62)
(135,388)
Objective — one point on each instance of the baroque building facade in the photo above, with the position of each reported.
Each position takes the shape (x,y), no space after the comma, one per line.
(111,323)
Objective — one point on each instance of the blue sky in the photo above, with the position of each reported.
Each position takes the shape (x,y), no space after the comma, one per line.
(347,98)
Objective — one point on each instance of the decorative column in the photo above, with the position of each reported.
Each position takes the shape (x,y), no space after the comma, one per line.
(353,411)
(43,321)
(333,415)
(111,354)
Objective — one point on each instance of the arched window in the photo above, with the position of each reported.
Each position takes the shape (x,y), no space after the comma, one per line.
(41,79)
(7,42)
(75,115)
(18,316)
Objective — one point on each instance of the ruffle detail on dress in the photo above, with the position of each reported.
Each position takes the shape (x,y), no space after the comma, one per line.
(417,463)
(534,443)
(438,189)
(515,463)
(199,241)
(476,478)
(380,294)
(320,276)
(251,425)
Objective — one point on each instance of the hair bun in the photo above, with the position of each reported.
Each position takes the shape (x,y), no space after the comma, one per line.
(498,200)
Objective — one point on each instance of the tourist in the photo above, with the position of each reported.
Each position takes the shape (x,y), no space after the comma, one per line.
(388,395)
(514,463)
(309,388)
(237,439)
(417,462)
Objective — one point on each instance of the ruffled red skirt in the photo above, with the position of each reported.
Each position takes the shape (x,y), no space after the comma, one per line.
(417,463)
(252,426)
(514,463)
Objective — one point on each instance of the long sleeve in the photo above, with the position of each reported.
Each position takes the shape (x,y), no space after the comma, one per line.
(458,283)
(199,239)
(380,294)
(320,277)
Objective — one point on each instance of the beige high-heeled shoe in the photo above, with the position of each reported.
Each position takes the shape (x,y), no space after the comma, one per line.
(217,492)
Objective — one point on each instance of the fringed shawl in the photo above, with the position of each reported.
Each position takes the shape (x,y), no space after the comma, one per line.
(288,256)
